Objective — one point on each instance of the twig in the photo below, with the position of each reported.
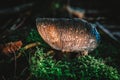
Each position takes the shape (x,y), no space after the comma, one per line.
(24,70)
(27,47)
(107,31)
(15,26)
(19,22)
(31,45)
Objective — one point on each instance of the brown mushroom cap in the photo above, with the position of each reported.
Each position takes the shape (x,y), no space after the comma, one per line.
(69,35)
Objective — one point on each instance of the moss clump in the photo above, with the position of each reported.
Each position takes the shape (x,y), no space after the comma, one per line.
(83,68)
(35,37)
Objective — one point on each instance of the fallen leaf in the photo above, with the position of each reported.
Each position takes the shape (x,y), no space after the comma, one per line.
(10,47)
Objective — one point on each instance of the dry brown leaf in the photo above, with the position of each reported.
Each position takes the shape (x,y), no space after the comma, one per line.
(10,47)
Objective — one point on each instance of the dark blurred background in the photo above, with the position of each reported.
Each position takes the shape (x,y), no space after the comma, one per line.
(109,8)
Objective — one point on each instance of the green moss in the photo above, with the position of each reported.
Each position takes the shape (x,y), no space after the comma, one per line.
(108,52)
(35,37)
(83,68)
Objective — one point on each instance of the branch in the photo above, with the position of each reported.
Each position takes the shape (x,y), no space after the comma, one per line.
(107,32)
